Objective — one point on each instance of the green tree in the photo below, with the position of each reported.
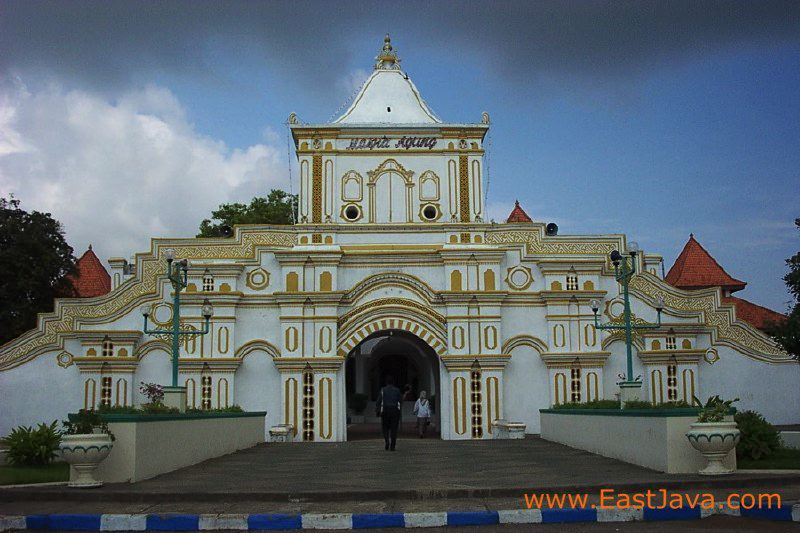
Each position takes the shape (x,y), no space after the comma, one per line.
(787,332)
(34,263)
(276,208)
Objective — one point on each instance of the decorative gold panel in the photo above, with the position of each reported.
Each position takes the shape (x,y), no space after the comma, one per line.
(316,190)
(463,188)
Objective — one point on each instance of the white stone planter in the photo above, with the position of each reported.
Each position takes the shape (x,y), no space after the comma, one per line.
(84,452)
(714,440)
(503,429)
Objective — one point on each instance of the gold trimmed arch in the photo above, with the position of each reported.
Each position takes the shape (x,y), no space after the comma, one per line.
(255,345)
(393,279)
(392,314)
(524,340)
(151,346)
(389,166)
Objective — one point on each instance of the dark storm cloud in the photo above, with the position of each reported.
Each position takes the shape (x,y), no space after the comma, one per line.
(105,43)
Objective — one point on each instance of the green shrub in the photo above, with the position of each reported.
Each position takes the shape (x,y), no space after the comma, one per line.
(33,447)
(641,404)
(230,409)
(86,422)
(597,404)
(614,404)
(157,408)
(118,410)
(715,408)
(358,402)
(759,438)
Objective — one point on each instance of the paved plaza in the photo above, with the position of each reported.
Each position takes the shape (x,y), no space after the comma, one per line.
(421,474)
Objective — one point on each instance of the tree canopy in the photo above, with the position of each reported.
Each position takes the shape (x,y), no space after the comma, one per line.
(34,262)
(276,208)
(787,332)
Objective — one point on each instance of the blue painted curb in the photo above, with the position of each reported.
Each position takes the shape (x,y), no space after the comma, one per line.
(782,513)
(274,522)
(365,521)
(473,518)
(555,516)
(173,522)
(286,522)
(684,513)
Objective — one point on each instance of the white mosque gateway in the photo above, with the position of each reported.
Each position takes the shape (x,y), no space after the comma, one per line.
(393,268)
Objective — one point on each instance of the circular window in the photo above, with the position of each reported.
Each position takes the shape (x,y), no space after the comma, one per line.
(352,212)
(430,212)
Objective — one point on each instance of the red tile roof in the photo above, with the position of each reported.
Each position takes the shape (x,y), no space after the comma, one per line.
(756,315)
(91,278)
(696,269)
(518,214)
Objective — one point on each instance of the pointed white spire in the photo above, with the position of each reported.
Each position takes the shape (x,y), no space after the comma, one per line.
(388,96)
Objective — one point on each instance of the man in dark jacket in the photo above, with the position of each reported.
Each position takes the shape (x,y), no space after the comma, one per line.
(389,408)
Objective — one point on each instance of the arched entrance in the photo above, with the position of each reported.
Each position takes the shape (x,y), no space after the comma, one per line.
(409,360)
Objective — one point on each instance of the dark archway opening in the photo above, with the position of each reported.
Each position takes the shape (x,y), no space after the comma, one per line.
(414,366)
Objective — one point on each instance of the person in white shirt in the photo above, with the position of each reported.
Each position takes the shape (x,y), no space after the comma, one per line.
(422,410)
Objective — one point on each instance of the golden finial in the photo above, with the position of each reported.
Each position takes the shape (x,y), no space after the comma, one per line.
(387,58)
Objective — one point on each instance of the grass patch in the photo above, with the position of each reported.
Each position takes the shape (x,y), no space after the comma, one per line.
(782,459)
(17,475)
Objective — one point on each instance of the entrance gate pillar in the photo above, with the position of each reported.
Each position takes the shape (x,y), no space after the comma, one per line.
(313,398)
(472,395)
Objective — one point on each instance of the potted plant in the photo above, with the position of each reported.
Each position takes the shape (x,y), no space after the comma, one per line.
(714,434)
(358,403)
(85,442)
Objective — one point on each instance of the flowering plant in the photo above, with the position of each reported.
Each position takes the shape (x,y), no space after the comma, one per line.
(154,392)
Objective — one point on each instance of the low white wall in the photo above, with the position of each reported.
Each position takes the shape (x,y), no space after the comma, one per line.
(791,439)
(147,446)
(650,440)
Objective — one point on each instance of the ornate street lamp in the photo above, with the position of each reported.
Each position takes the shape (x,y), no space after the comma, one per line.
(177,274)
(624,269)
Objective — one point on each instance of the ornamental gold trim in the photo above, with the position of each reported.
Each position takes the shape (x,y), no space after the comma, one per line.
(717,316)
(70,314)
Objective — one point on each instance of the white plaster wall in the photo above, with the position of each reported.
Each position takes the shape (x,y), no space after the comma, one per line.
(772,390)
(38,391)
(617,364)
(258,387)
(154,367)
(526,388)
(654,442)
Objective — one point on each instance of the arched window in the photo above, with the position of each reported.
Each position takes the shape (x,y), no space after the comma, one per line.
(488,280)
(671,342)
(455,281)
(572,280)
(292,282)
(672,383)
(208,281)
(656,344)
(308,404)
(105,391)
(325,282)
(575,384)
(477,397)
(205,386)
(108,347)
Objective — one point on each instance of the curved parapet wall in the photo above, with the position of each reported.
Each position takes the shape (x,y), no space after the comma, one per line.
(69,313)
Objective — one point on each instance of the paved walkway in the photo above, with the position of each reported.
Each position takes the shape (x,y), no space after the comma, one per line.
(363,471)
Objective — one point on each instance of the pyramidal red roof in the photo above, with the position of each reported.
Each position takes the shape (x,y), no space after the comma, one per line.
(696,269)
(518,214)
(91,278)
(758,316)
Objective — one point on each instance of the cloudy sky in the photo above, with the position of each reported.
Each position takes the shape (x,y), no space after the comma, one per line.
(127,120)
